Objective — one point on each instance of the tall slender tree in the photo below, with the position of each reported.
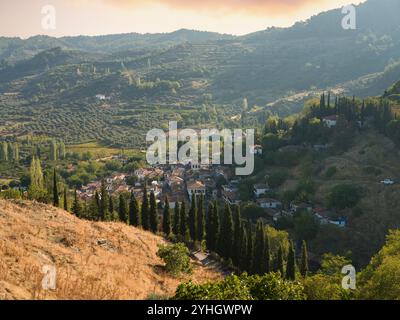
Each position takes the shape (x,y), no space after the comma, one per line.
(267,254)
(103,201)
(145,210)
(212,227)
(193,218)
(177,221)
(237,235)
(167,228)
(226,234)
(56,197)
(184,230)
(111,209)
(280,263)
(134,213)
(259,250)
(4,151)
(53,150)
(243,263)
(200,219)
(250,248)
(153,213)
(122,209)
(66,198)
(76,206)
(291,263)
(304,260)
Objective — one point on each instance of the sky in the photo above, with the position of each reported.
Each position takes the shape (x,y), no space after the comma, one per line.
(24,18)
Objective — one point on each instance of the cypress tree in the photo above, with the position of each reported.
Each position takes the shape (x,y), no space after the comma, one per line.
(237,235)
(10,152)
(250,248)
(65,199)
(167,218)
(16,152)
(291,263)
(212,227)
(145,210)
(53,151)
(95,207)
(4,152)
(61,150)
(153,213)
(200,219)
(193,218)
(279,262)
(134,213)
(111,208)
(267,255)
(259,250)
(122,209)
(56,198)
(76,206)
(226,234)
(304,260)
(177,221)
(103,203)
(243,249)
(184,230)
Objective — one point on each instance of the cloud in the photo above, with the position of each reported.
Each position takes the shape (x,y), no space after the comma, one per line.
(255,7)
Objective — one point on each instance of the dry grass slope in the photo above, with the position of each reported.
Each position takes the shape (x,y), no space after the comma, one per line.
(94,260)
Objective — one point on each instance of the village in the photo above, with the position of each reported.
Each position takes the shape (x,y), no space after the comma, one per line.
(179,183)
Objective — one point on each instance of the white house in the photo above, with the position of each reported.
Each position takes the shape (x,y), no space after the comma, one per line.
(260,189)
(196,188)
(330,121)
(267,203)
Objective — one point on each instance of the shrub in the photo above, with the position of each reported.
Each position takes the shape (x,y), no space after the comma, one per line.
(176,258)
(331,172)
(267,287)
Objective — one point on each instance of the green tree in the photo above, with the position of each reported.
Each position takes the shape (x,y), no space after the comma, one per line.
(122,209)
(259,264)
(10,152)
(279,262)
(56,197)
(66,198)
(267,254)
(291,263)
(176,257)
(4,151)
(76,206)
(212,227)
(16,152)
(243,263)
(184,230)
(134,212)
(153,213)
(200,219)
(304,260)
(53,150)
(145,210)
(111,209)
(226,234)
(167,228)
(177,221)
(237,222)
(61,150)
(103,201)
(193,218)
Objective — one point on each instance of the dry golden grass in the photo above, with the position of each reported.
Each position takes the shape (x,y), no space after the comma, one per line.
(94,260)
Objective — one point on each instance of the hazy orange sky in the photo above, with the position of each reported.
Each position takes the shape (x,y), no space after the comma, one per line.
(94,17)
